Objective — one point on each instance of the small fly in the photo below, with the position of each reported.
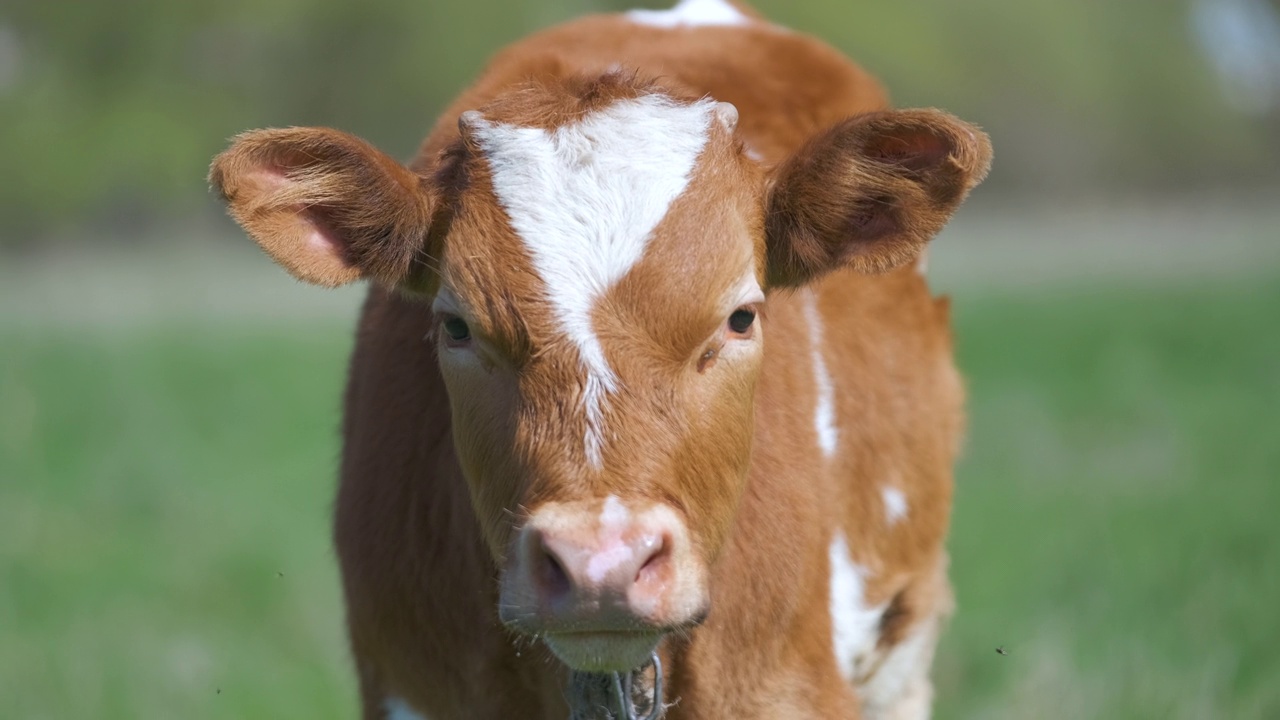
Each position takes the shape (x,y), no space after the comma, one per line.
(1002,651)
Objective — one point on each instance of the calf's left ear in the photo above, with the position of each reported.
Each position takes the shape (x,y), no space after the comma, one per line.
(869,193)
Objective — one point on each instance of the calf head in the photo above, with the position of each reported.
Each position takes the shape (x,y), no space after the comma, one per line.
(596,253)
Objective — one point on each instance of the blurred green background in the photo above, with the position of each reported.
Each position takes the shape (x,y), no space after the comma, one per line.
(169,400)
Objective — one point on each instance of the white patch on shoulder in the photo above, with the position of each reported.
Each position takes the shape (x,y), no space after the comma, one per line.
(691,13)
(922,262)
(585,199)
(398,709)
(895,504)
(900,686)
(824,411)
(854,625)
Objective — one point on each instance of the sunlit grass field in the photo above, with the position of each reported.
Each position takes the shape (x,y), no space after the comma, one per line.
(165,491)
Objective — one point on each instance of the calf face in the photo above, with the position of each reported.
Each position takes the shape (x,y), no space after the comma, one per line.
(596,253)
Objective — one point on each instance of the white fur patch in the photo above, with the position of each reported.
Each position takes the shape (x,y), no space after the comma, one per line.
(900,687)
(398,709)
(747,290)
(612,552)
(922,262)
(691,13)
(603,561)
(585,199)
(614,513)
(895,504)
(854,625)
(824,411)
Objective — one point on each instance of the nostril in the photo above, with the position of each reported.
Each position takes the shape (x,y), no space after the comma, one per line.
(554,578)
(657,548)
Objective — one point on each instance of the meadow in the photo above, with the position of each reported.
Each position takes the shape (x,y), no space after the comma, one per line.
(167,462)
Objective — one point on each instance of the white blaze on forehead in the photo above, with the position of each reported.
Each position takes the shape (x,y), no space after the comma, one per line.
(585,199)
(824,411)
(855,627)
(895,504)
(691,13)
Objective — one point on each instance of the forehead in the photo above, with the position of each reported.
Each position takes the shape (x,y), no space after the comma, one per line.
(585,197)
(591,190)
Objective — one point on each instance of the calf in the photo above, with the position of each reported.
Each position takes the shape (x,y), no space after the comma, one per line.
(577,479)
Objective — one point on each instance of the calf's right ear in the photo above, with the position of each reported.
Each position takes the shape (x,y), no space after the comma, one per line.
(327,206)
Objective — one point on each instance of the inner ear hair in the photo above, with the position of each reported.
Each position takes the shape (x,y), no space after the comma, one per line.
(327,206)
(923,140)
(869,192)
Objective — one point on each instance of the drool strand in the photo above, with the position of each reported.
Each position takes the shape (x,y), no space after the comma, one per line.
(634,695)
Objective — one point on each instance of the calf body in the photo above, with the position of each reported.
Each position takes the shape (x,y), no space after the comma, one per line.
(647,365)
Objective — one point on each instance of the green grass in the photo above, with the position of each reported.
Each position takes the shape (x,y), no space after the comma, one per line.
(1114,523)
(1113,527)
(156,485)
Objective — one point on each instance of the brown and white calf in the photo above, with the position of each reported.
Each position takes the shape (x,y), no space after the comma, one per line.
(647,363)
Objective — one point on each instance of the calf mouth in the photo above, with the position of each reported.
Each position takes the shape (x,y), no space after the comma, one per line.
(604,651)
(603,645)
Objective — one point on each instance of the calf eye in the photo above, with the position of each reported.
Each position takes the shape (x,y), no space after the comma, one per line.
(741,320)
(456,329)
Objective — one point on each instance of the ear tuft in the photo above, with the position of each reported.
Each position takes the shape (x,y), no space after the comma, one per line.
(727,115)
(327,206)
(870,192)
(470,121)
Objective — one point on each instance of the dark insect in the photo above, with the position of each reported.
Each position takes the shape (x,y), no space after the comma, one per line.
(1002,651)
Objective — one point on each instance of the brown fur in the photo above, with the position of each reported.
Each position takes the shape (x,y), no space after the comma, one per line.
(886,181)
(286,185)
(432,490)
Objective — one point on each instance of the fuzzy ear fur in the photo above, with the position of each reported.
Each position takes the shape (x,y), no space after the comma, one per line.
(326,205)
(870,192)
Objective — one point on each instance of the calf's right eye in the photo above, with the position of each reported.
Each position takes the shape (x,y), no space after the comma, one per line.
(455,330)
